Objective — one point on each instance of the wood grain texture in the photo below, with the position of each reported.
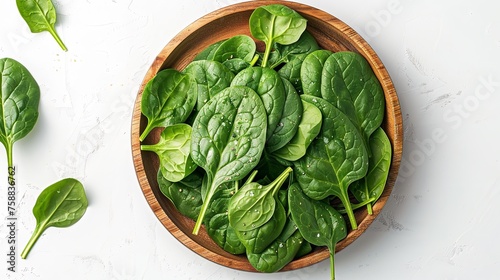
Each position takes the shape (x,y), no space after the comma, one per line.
(331,34)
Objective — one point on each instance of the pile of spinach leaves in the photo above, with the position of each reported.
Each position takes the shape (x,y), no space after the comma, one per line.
(274,144)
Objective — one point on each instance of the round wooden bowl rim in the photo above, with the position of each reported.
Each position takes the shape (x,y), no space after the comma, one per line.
(350,36)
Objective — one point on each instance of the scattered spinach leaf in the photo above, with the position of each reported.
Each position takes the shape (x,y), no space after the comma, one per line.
(40,15)
(62,204)
(19,109)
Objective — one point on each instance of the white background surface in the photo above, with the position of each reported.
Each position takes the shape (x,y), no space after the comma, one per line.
(441,221)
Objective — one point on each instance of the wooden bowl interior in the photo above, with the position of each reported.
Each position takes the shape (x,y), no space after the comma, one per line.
(331,34)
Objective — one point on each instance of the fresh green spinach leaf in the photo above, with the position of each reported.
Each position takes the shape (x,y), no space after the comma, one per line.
(335,159)
(276,23)
(173,150)
(309,128)
(19,109)
(318,222)
(286,53)
(40,15)
(371,187)
(211,78)
(269,85)
(228,138)
(253,205)
(311,71)
(348,82)
(168,98)
(62,204)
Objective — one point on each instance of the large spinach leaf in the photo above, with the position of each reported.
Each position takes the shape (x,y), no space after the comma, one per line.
(318,222)
(168,99)
(371,187)
(40,15)
(276,23)
(228,138)
(61,204)
(349,83)
(19,109)
(173,150)
(335,159)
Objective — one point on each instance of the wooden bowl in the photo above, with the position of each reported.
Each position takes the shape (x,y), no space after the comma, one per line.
(331,34)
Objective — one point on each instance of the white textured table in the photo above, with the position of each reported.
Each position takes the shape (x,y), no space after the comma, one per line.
(440,222)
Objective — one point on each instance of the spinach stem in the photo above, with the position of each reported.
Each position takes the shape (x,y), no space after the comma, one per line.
(348,209)
(203,209)
(146,131)
(58,39)
(10,161)
(36,234)
(332,263)
(280,180)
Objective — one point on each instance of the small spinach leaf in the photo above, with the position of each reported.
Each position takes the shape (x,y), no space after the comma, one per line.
(168,99)
(40,15)
(253,205)
(20,95)
(276,23)
(228,138)
(372,185)
(318,222)
(61,204)
(173,150)
(286,53)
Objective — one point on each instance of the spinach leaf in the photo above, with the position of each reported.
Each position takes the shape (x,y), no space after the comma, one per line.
(290,119)
(309,128)
(236,53)
(318,222)
(62,204)
(257,239)
(173,150)
(228,138)
(349,83)
(19,109)
(280,252)
(253,205)
(168,99)
(269,85)
(185,195)
(311,72)
(286,53)
(371,187)
(40,15)
(217,223)
(335,159)
(276,24)
(211,78)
